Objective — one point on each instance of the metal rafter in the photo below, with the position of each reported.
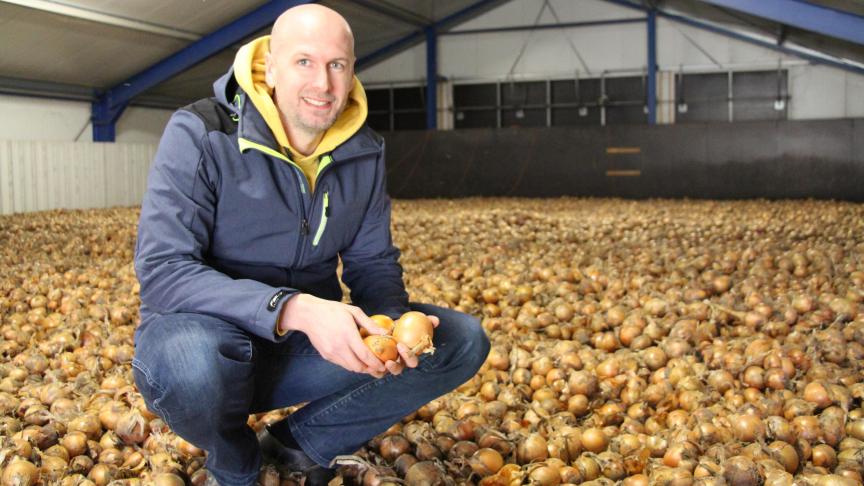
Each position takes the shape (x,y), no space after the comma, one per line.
(430,33)
(803,15)
(418,35)
(809,55)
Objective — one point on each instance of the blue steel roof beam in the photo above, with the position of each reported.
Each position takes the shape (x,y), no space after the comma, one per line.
(803,15)
(199,51)
(413,38)
(818,59)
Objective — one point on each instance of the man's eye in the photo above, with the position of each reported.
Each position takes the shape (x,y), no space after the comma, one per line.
(337,65)
(303,62)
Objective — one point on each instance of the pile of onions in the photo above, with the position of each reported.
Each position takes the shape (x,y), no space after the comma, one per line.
(635,343)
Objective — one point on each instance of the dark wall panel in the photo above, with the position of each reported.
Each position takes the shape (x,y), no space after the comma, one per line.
(821,159)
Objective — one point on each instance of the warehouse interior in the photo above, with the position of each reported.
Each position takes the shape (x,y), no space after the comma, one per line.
(653,208)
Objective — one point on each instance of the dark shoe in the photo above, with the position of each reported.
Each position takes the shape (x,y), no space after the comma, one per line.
(295,460)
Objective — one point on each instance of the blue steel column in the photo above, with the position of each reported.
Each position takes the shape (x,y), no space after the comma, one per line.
(431,78)
(104,118)
(652,66)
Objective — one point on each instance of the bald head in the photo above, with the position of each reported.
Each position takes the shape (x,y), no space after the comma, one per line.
(310,22)
(310,67)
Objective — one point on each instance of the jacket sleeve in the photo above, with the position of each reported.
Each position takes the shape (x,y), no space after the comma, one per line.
(371,263)
(174,231)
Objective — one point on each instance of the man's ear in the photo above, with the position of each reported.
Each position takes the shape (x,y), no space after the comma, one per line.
(269,74)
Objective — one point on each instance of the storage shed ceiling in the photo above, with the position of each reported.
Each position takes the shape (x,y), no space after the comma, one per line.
(47,53)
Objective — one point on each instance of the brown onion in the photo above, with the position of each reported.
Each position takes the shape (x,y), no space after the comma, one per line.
(486,462)
(19,472)
(414,330)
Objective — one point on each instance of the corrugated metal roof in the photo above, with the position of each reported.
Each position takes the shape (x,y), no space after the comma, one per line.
(48,47)
(66,50)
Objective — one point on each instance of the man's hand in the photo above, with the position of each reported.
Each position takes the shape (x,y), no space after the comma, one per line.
(407,358)
(332,329)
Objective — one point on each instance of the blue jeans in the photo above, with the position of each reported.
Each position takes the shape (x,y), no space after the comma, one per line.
(204,376)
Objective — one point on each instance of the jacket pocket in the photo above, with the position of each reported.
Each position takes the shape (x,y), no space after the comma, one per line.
(325,214)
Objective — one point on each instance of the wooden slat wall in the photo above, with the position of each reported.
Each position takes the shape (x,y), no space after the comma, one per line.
(42,175)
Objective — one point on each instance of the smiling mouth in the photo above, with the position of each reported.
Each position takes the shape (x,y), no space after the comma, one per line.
(317,103)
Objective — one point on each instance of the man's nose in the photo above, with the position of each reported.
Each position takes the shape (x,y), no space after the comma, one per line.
(321,80)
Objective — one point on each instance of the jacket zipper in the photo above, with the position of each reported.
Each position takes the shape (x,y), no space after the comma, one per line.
(325,213)
(304,223)
(244,145)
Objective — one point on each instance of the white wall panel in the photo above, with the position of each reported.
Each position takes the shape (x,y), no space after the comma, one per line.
(817,92)
(141,125)
(42,175)
(6,180)
(409,65)
(854,95)
(28,118)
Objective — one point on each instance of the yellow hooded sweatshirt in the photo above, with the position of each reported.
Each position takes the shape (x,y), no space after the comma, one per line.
(249,70)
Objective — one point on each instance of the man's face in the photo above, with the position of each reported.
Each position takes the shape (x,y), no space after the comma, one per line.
(312,74)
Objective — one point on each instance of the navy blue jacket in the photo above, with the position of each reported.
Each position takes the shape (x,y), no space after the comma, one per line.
(230,228)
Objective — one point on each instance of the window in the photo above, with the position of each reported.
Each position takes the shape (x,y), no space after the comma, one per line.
(397,108)
(568,102)
(523,104)
(759,95)
(625,100)
(576,102)
(702,97)
(475,105)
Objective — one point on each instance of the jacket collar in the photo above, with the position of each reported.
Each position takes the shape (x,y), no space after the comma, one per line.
(251,125)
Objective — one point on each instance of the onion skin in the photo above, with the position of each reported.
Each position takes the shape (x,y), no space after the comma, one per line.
(544,475)
(384,322)
(835,480)
(486,462)
(167,479)
(403,463)
(425,473)
(415,330)
(394,446)
(741,471)
(132,427)
(532,449)
(19,472)
(383,347)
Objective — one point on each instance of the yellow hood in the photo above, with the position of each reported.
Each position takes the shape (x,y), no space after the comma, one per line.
(249,70)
